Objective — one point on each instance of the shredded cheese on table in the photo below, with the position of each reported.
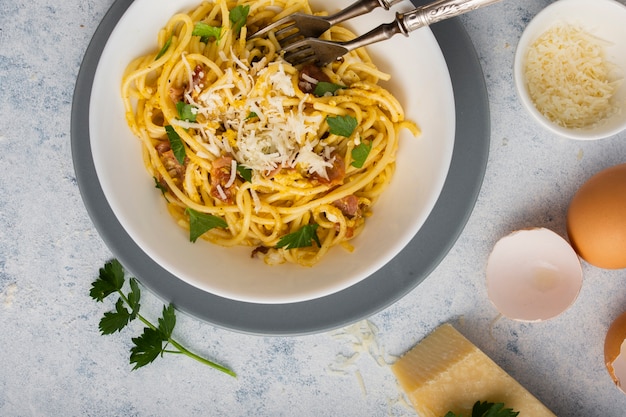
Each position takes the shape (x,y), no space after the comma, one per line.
(569,79)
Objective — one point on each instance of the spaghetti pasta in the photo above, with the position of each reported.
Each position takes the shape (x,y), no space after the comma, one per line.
(249,150)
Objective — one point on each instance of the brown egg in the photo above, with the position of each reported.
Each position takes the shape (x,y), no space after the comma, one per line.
(614,358)
(596,219)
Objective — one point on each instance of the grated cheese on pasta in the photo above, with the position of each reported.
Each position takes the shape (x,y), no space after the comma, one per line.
(279,138)
(569,79)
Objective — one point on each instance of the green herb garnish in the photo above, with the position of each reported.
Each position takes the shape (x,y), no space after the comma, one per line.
(342,125)
(360,154)
(159,185)
(251,115)
(244,172)
(186,111)
(302,238)
(165,47)
(323,87)
(155,339)
(200,223)
(206,32)
(487,409)
(176,143)
(238,16)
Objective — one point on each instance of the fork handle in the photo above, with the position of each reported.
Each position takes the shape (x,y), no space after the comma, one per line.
(359,8)
(417,18)
(439,10)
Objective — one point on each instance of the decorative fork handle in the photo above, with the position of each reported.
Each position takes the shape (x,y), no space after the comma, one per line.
(422,16)
(359,8)
(440,10)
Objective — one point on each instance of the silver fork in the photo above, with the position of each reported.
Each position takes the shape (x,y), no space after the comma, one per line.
(301,25)
(322,52)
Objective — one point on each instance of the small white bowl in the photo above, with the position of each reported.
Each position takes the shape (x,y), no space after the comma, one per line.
(605,19)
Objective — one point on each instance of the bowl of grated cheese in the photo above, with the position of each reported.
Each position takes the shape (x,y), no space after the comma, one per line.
(570,65)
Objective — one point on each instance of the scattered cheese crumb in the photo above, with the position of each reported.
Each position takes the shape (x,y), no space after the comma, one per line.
(9,294)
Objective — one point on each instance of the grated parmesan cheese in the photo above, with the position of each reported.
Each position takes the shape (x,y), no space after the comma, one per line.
(569,79)
(283,136)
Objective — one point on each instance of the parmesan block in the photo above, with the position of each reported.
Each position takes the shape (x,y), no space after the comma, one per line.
(446,372)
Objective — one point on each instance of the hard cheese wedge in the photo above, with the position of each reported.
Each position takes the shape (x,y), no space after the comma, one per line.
(446,372)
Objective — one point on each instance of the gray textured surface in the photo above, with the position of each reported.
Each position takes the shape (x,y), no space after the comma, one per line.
(54,362)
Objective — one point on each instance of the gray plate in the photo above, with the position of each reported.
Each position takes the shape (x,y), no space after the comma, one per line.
(397,278)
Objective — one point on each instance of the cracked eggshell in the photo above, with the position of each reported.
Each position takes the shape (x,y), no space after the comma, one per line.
(533,275)
(615,351)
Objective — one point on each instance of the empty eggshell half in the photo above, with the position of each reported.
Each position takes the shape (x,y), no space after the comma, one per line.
(615,351)
(533,275)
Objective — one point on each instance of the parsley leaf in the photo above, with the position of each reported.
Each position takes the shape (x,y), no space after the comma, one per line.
(165,47)
(323,87)
(176,143)
(302,238)
(487,409)
(159,185)
(342,125)
(147,347)
(133,298)
(360,154)
(251,115)
(244,172)
(115,321)
(167,322)
(238,16)
(154,339)
(111,279)
(186,111)
(206,32)
(199,223)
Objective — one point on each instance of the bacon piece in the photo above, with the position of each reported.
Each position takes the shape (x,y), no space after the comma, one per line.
(308,73)
(198,76)
(197,79)
(176,94)
(349,205)
(335,173)
(220,175)
(171,164)
(259,249)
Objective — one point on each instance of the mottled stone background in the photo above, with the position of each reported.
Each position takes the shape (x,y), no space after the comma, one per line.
(54,362)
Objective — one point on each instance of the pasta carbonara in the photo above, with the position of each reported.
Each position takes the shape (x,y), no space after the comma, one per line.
(250,150)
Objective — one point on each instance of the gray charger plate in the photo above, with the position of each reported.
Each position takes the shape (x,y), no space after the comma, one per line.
(418,259)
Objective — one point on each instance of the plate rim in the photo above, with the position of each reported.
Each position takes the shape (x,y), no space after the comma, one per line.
(390,283)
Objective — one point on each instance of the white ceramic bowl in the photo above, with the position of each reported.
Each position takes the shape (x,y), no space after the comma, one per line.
(605,19)
(421,82)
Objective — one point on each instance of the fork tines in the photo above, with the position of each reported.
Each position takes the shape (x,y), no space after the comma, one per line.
(288,28)
(295,27)
(299,53)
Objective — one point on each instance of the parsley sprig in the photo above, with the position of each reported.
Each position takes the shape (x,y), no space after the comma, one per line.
(206,32)
(155,339)
(342,125)
(165,47)
(238,17)
(301,238)
(200,223)
(323,88)
(487,409)
(360,154)
(176,144)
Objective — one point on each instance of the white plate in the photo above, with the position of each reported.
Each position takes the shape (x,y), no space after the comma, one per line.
(420,80)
